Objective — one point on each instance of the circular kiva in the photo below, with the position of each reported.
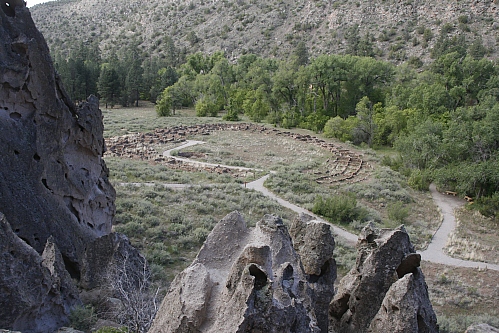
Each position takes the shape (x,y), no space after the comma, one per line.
(343,166)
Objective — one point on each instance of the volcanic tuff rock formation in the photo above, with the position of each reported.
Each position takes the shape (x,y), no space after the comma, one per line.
(385,291)
(55,198)
(314,243)
(264,280)
(243,280)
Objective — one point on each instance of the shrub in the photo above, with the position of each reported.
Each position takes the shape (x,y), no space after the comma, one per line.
(397,212)
(419,180)
(204,107)
(488,206)
(338,209)
(82,318)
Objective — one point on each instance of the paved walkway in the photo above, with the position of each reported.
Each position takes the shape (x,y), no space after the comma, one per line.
(434,252)
(257,185)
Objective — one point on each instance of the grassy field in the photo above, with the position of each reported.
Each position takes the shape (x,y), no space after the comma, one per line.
(170,225)
(120,121)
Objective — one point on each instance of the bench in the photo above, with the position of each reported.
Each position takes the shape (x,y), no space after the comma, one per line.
(451,193)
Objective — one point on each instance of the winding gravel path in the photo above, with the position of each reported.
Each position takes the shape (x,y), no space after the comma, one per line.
(434,253)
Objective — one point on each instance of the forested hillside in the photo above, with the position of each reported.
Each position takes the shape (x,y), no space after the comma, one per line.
(390,29)
(428,86)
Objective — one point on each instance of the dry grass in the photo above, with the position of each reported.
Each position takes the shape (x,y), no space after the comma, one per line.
(462,296)
(256,150)
(120,121)
(475,237)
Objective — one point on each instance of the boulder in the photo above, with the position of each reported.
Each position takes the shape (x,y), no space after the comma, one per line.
(242,280)
(314,242)
(385,291)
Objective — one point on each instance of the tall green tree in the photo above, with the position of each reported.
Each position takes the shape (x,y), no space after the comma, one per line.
(108,85)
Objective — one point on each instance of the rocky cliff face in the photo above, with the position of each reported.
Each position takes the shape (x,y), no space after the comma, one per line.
(56,203)
(52,179)
(264,280)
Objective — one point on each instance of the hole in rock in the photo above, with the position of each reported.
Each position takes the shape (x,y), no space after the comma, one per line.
(15,115)
(17,231)
(16,152)
(287,274)
(36,157)
(90,225)
(72,268)
(409,264)
(260,276)
(370,238)
(72,209)
(394,308)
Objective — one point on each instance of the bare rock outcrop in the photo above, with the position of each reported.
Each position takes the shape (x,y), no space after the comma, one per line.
(386,290)
(243,280)
(107,254)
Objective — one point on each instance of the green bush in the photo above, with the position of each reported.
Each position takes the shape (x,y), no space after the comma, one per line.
(488,206)
(82,318)
(339,209)
(419,180)
(206,107)
(397,212)
(112,330)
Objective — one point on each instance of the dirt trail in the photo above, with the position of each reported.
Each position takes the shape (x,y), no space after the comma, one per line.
(434,252)
(189,143)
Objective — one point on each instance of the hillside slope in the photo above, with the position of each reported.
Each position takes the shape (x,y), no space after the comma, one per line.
(395,30)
